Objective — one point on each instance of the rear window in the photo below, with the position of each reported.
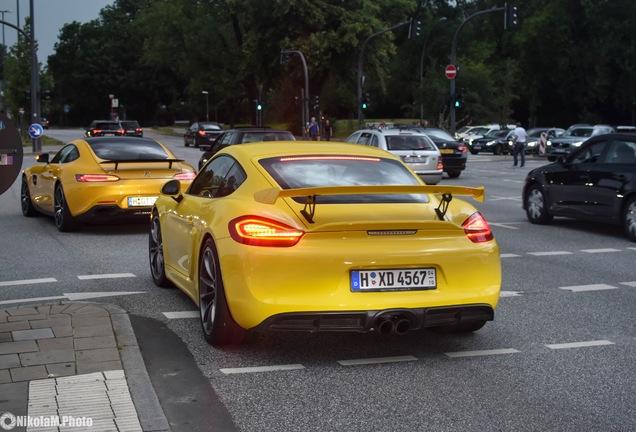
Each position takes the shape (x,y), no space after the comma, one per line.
(409,143)
(211,127)
(130,124)
(123,149)
(267,136)
(342,170)
(107,126)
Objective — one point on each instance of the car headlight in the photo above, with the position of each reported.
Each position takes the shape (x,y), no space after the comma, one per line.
(548,143)
(577,144)
(489,143)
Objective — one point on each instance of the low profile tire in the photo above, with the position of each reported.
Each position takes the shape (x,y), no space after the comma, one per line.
(64,220)
(454,174)
(536,206)
(466,327)
(25,200)
(155,254)
(474,152)
(629,219)
(216,321)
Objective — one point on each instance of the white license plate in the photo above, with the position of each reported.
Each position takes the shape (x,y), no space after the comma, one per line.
(558,150)
(414,159)
(141,201)
(393,280)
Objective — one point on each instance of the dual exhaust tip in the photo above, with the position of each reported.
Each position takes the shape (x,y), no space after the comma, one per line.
(387,324)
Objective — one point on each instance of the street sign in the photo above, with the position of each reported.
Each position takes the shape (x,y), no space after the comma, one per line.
(451,71)
(35,130)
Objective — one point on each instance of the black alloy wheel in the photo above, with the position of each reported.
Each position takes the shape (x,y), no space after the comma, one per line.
(536,205)
(629,218)
(155,254)
(25,199)
(454,174)
(216,321)
(64,220)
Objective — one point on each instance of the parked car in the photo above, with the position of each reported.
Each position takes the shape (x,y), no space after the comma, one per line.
(596,182)
(242,136)
(131,128)
(454,153)
(100,179)
(414,148)
(533,137)
(496,141)
(482,131)
(202,133)
(625,129)
(104,128)
(323,236)
(572,138)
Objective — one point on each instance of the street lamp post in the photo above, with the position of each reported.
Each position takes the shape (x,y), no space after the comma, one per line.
(422,68)
(207,110)
(3,12)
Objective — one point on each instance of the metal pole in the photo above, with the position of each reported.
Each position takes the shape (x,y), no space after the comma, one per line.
(360,58)
(422,68)
(207,111)
(4,12)
(35,82)
(306,95)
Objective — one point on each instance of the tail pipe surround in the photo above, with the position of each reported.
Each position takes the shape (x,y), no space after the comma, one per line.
(390,323)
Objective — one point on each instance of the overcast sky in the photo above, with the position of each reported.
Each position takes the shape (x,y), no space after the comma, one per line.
(49,17)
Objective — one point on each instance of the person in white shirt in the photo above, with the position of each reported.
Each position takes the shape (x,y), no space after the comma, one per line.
(519,141)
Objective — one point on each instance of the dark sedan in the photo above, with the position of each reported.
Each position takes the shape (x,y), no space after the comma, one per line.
(454,153)
(496,141)
(202,133)
(595,182)
(244,135)
(573,138)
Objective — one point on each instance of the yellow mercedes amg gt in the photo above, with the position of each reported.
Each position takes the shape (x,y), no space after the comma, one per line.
(100,179)
(320,236)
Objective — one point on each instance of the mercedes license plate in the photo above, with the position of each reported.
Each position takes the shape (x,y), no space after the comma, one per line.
(393,280)
(446,151)
(141,201)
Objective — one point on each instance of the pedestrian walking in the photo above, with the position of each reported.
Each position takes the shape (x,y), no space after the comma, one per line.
(519,141)
(313,129)
(327,131)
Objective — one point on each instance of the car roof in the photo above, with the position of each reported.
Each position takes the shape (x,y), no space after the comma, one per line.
(394,131)
(282,148)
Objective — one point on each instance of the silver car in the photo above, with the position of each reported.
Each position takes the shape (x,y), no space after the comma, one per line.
(415,149)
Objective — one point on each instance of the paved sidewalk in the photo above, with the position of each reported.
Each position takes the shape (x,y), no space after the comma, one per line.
(77,363)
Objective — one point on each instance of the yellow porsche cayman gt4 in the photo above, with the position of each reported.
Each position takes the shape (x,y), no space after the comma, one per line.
(100,180)
(320,236)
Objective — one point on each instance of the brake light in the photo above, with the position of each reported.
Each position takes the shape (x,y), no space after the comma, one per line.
(121,132)
(477,229)
(256,231)
(462,148)
(202,133)
(440,165)
(97,131)
(89,178)
(139,130)
(184,176)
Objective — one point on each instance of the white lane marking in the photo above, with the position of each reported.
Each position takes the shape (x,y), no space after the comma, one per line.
(32,299)
(377,360)
(228,371)
(509,256)
(605,250)
(27,281)
(481,353)
(550,253)
(592,287)
(500,198)
(503,225)
(580,344)
(106,276)
(181,314)
(631,284)
(510,294)
(632,248)
(90,295)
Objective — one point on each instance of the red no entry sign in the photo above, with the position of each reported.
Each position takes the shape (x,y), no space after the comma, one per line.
(451,71)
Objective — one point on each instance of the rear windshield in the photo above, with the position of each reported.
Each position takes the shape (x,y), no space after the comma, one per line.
(579,132)
(409,143)
(249,137)
(123,149)
(130,124)
(107,126)
(211,127)
(341,170)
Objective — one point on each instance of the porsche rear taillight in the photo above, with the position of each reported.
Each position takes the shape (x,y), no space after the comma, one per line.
(256,231)
(184,176)
(88,178)
(477,229)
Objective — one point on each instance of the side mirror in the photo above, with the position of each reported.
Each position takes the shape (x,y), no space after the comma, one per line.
(44,158)
(172,189)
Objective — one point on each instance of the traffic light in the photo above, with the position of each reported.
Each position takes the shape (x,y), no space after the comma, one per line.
(259,106)
(27,95)
(365,101)
(316,101)
(458,100)
(512,17)
(46,94)
(415,27)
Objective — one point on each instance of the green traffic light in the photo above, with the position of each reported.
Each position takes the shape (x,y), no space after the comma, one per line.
(259,107)
(364,106)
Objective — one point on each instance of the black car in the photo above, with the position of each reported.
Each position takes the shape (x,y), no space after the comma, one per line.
(202,133)
(533,138)
(241,136)
(132,128)
(104,128)
(497,141)
(572,138)
(595,182)
(454,153)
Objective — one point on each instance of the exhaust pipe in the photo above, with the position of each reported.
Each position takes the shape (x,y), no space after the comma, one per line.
(385,326)
(402,326)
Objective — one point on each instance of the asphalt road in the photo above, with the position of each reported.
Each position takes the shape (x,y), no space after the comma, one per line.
(558,357)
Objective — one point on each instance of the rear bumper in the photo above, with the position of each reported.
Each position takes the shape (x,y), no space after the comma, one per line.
(366,321)
(112,213)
